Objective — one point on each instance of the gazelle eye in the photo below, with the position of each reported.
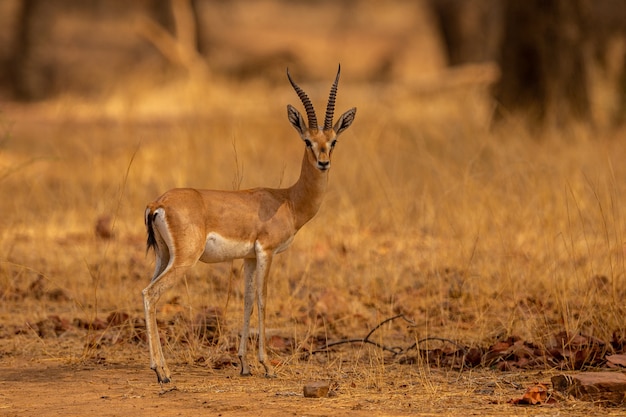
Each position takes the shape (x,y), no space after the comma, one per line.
(308,143)
(333,143)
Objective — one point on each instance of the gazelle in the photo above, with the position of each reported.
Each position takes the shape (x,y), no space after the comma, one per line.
(186,225)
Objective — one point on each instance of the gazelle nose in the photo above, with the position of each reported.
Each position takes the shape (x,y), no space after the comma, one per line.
(323,164)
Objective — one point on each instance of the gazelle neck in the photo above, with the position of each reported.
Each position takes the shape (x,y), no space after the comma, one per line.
(308,192)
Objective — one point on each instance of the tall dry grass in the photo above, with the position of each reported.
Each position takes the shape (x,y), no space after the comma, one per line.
(475,233)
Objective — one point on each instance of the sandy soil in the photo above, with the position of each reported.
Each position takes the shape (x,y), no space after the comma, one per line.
(57,388)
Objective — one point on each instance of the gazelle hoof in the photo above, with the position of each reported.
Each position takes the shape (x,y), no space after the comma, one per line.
(162,379)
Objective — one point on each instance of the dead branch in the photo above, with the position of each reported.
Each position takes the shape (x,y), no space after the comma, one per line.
(439,339)
(393,349)
(181,48)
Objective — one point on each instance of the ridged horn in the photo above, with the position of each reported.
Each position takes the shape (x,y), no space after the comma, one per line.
(330,108)
(308,106)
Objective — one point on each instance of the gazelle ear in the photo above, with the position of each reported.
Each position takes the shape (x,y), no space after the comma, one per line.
(296,120)
(345,121)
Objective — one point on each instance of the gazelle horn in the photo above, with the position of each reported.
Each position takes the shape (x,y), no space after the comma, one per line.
(330,108)
(308,106)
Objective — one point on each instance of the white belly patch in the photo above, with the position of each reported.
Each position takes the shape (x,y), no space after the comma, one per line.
(220,249)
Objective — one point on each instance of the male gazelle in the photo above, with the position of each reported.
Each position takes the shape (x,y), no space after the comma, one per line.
(186,225)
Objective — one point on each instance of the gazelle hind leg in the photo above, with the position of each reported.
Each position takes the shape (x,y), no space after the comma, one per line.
(264,264)
(174,258)
(153,291)
(151,295)
(249,267)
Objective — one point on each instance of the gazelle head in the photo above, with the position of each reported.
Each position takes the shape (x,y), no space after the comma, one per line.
(320,142)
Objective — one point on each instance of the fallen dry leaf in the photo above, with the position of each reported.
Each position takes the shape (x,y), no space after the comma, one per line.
(535,395)
(616,360)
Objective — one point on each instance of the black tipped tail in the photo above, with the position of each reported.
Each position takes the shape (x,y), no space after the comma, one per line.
(151,243)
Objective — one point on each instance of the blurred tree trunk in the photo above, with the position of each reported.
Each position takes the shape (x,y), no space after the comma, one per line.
(544,73)
(608,37)
(27,82)
(471,30)
(620,115)
(41,65)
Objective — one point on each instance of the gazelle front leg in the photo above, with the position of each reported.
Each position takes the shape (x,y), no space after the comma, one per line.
(255,268)
(249,267)
(264,263)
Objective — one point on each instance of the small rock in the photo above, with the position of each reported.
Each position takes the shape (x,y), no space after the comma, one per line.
(317,389)
(601,387)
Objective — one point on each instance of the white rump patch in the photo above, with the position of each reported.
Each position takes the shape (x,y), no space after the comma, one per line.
(163,238)
(163,229)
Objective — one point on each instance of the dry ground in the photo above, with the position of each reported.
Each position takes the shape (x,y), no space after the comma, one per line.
(53,388)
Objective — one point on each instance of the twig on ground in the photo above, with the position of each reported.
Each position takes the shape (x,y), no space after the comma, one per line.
(395,350)
(439,339)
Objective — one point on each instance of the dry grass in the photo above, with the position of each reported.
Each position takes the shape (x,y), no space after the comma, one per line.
(472,233)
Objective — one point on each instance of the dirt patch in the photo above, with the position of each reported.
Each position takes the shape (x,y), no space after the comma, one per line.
(53,388)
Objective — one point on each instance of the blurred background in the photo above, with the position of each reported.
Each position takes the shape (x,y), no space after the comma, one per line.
(548,61)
